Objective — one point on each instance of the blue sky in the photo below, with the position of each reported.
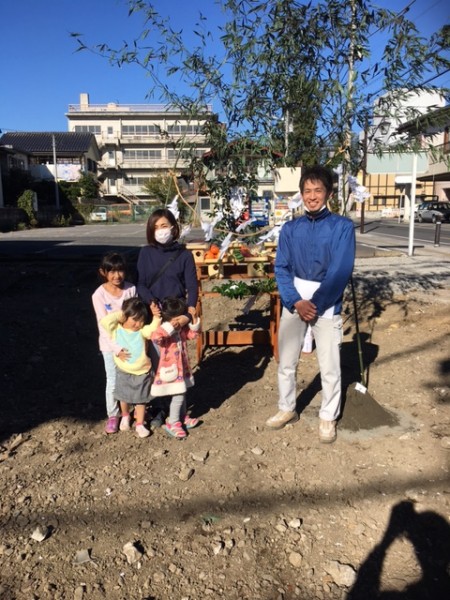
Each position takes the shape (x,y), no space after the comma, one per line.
(41,74)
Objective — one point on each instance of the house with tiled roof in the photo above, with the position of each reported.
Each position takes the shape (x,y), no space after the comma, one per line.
(37,152)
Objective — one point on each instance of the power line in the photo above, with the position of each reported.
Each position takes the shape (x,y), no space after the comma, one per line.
(401,13)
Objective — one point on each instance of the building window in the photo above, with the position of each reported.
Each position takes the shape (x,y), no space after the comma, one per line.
(185,154)
(95,129)
(16,163)
(91,165)
(184,129)
(131,130)
(384,127)
(141,155)
(137,181)
(205,203)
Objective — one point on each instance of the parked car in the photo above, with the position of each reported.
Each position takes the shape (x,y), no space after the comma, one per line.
(423,200)
(99,214)
(433,212)
(420,206)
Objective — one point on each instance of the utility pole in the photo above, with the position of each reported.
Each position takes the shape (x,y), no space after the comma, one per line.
(286,134)
(349,107)
(56,171)
(364,175)
(412,205)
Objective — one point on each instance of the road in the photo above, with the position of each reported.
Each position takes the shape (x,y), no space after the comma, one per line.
(398,233)
(88,242)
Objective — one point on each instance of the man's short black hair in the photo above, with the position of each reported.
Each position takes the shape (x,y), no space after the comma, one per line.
(317,173)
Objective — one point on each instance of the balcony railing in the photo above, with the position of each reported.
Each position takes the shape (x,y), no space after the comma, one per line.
(161,163)
(115,107)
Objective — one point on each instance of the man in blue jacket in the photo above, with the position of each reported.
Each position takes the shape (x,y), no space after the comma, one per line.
(314,263)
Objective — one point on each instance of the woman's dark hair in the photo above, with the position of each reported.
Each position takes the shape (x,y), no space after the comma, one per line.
(112,261)
(155,216)
(135,308)
(317,173)
(172,307)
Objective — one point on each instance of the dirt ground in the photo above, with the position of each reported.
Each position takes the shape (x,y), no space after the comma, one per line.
(235,511)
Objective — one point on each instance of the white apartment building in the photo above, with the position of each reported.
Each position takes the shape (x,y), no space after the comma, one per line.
(390,113)
(137,142)
(388,177)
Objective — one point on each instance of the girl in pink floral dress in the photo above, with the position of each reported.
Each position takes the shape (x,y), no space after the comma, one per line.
(174,376)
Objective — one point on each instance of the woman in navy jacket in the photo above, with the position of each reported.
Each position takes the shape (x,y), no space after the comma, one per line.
(180,277)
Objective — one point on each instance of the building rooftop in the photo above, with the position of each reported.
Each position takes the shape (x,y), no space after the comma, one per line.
(36,142)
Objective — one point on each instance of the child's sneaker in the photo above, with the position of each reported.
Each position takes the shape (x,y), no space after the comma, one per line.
(190,422)
(142,431)
(125,423)
(175,430)
(112,425)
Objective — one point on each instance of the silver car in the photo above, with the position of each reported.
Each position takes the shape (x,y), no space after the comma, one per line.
(433,211)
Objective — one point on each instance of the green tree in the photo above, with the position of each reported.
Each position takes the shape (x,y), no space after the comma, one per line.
(161,188)
(318,65)
(25,202)
(88,188)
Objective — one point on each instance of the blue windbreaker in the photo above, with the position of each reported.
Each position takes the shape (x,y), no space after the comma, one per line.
(321,249)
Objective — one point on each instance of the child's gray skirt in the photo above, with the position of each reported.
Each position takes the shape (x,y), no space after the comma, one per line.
(133,389)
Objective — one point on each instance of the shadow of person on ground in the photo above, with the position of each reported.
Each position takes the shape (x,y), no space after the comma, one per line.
(222,373)
(429,533)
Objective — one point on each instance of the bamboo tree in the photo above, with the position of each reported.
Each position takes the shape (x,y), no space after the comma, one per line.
(320,62)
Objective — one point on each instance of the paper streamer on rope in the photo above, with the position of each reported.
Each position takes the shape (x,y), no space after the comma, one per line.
(184,232)
(173,207)
(360,193)
(208,226)
(237,202)
(227,240)
(225,243)
(296,201)
(273,234)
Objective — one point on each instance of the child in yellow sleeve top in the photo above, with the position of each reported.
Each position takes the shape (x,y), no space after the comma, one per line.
(129,330)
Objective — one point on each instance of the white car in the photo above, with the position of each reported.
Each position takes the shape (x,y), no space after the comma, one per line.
(99,214)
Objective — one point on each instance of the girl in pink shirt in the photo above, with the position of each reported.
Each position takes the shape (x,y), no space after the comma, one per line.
(107,298)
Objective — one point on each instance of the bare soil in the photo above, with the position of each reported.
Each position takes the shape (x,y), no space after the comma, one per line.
(235,511)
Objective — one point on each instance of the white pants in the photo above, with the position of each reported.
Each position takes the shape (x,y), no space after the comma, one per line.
(328,338)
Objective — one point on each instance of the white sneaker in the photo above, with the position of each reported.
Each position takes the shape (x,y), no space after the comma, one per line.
(282,418)
(142,431)
(125,424)
(327,431)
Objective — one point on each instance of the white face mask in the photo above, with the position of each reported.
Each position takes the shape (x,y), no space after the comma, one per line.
(163,236)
